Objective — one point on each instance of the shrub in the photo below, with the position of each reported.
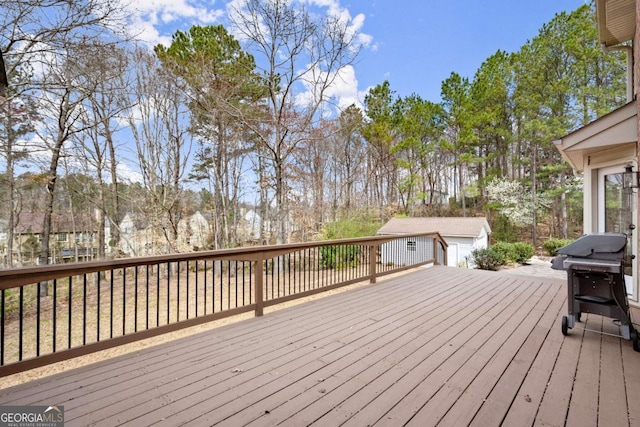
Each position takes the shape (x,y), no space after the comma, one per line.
(504,249)
(522,252)
(518,252)
(339,256)
(488,259)
(553,244)
(348,228)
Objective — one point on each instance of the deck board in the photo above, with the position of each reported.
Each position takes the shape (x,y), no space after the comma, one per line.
(467,390)
(612,397)
(507,389)
(583,410)
(440,346)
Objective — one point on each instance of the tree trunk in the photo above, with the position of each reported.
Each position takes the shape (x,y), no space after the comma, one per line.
(114,218)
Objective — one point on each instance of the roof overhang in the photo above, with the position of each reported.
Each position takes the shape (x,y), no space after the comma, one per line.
(616,21)
(614,130)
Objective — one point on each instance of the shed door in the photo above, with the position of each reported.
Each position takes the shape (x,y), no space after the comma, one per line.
(452,254)
(616,214)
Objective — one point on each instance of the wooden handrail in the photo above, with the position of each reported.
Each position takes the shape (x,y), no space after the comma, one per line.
(340,263)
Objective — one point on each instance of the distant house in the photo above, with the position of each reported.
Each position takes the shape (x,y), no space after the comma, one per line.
(462,235)
(137,236)
(194,231)
(72,238)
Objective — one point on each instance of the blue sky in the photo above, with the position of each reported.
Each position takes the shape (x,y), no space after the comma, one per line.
(419,46)
(414,45)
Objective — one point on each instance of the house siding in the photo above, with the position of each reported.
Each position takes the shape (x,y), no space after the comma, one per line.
(462,235)
(400,252)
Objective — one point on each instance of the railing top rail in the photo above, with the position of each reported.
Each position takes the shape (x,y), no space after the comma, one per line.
(23,275)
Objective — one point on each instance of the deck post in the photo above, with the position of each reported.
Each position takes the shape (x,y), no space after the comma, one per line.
(259,274)
(373,250)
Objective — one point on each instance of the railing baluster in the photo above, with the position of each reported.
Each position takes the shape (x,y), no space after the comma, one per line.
(124,301)
(99,291)
(2,343)
(178,298)
(21,326)
(55,312)
(307,266)
(213,285)
(228,285)
(70,314)
(135,299)
(158,295)
(187,303)
(244,280)
(84,309)
(168,293)
(38,311)
(236,280)
(196,273)
(111,284)
(289,272)
(258,275)
(204,287)
(147,278)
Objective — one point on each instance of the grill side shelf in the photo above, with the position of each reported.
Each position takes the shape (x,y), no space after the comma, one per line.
(595,299)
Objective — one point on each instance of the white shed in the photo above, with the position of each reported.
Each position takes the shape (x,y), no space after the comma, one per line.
(462,235)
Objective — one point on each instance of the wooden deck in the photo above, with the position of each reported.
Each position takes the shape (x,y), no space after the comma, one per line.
(441,346)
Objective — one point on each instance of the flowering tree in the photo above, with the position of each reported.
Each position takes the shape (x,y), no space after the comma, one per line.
(514,201)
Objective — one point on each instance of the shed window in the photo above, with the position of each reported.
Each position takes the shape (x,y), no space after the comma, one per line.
(411,246)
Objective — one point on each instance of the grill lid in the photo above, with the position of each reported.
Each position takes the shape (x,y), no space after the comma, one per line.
(596,245)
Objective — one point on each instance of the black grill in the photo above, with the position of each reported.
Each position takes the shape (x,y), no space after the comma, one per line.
(595,280)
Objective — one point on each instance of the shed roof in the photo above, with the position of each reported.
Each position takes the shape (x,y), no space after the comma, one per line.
(446,226)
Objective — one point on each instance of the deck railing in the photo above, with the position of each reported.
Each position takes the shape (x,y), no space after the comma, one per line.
(56,312)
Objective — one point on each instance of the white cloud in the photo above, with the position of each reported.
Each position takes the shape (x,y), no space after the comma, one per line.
(127,173)
(154,21)
(342,92)
(345,88)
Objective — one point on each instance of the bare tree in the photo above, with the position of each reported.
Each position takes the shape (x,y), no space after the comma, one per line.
(63,101)
(45,35)
(160,131)
(293,48)
(17,115)
(219,81)
(349,153)
(31,30)
(310,170)
(96,148)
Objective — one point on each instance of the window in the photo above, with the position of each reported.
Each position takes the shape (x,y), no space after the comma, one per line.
(411,246)
(62,237)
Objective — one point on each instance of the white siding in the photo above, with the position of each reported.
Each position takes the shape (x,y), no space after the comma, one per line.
(399,252)
(465,246)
